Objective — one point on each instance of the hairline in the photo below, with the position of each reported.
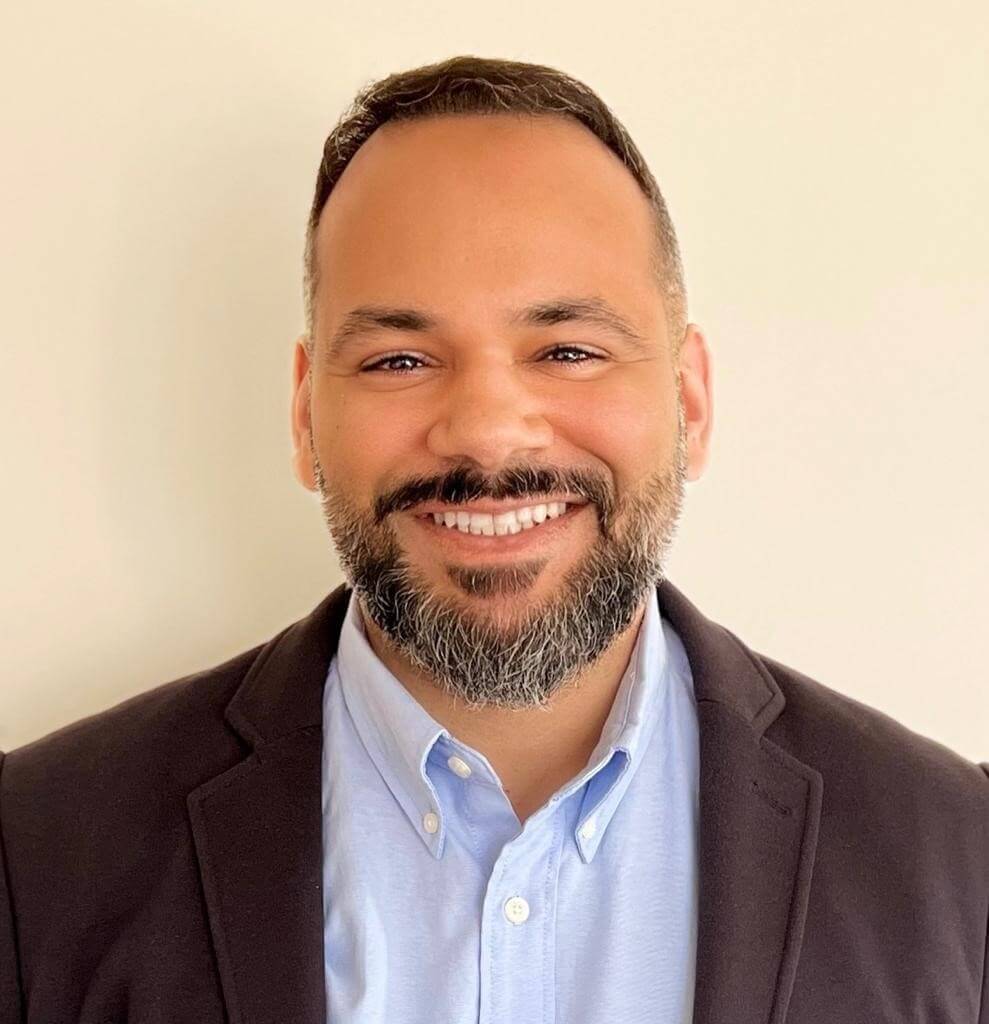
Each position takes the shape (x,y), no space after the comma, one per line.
(665,263)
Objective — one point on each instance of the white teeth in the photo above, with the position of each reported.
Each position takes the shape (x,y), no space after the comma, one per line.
(504,523)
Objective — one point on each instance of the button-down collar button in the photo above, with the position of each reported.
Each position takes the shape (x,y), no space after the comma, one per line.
(516,910)
(430,822)
(588,829)
(459,765)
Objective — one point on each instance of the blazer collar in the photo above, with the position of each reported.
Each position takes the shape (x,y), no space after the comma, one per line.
(257,829)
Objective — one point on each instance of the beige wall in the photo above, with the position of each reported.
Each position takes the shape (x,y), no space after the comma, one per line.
(826,166)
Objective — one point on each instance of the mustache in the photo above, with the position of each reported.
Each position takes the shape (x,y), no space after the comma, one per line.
(465,484)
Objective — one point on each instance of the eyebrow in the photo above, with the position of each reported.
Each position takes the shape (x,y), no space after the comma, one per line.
(364,320)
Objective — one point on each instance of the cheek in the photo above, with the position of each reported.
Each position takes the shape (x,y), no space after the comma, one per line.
(359,440)
(626,427)
(375,439)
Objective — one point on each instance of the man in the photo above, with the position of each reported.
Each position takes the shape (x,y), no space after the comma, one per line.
(507,772)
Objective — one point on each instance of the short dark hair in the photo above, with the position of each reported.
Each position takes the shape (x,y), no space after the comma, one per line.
(483,85)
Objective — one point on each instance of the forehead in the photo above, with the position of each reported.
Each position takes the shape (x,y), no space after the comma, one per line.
(483,211)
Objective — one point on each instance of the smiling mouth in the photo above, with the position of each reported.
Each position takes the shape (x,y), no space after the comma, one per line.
(509,531)
(502,523)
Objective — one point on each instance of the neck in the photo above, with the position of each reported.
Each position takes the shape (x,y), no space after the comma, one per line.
(535,751)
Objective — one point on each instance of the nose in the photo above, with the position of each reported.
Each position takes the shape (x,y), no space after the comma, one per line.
(487,415)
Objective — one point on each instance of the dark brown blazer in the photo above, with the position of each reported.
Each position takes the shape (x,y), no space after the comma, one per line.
(162,859)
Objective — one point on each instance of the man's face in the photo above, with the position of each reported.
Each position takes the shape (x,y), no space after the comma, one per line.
(486,255)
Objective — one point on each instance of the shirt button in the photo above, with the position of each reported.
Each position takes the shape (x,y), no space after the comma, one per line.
(430,822)
(458,765)
(588,829)
(516,910)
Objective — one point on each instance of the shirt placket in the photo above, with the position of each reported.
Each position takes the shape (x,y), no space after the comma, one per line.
(518,926)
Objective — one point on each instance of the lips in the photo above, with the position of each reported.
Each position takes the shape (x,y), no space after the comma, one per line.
(496,507)
(546,534)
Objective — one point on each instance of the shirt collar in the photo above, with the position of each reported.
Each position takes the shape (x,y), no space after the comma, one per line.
(399,734)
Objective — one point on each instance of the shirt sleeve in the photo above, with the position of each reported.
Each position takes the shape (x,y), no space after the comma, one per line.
(11,1004)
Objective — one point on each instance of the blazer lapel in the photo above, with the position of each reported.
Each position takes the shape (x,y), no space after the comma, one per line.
(759,814)
(257,830)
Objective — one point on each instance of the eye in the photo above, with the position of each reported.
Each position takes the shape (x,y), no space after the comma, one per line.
(590,356)
(382,365)
(379,366)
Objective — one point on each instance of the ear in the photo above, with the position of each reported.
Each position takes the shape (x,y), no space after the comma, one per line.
(696,384)
(302,461)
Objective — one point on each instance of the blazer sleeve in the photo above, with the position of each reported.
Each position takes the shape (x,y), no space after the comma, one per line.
(984,1009)
(11,1006)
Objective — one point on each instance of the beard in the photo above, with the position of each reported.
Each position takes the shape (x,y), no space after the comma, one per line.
(520,660)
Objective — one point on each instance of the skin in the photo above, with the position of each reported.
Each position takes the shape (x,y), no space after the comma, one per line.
(466,217)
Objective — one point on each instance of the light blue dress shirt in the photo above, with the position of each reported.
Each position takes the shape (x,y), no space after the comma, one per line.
(440,907)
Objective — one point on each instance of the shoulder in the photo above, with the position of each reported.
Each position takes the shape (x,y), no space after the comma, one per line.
(866,755)
(94,824)
(900,878)
(135,756)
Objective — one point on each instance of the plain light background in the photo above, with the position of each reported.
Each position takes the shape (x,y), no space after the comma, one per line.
(826,167)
